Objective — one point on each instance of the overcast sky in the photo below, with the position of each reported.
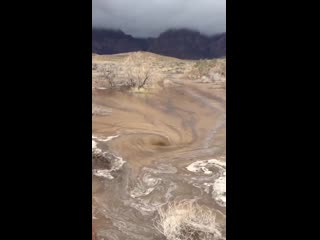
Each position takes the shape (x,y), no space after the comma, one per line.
(143,18)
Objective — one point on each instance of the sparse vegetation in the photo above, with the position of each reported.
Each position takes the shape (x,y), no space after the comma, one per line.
(108,75)
(202,68)
(139,71)
(135,72)
(186,220)
(209,71)
(94,66)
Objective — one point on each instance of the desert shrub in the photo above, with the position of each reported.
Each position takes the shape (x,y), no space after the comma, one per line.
(200,68)
(203,67)
(186,220)
(94,66)
(107,75)
(139,71)
(214,70)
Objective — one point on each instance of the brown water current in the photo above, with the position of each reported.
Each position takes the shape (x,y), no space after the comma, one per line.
(152,149)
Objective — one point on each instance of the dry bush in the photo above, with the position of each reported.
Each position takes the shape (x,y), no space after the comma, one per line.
(94,66)
(186,220)
(139,71)
(211,71)
(201,68)
(107,75)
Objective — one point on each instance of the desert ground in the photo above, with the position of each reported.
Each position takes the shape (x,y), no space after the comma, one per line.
(158,147)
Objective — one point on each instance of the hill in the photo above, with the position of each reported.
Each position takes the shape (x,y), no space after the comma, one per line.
(178,43)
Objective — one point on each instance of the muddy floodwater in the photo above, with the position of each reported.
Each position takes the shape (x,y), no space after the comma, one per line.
(152,149)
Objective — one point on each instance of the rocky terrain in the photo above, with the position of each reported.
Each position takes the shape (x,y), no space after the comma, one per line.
(179,43)
(158,147)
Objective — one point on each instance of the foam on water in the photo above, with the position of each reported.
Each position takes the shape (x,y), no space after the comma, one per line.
(105,139)
(95,149)
(117,162)
(217,184)
(219,191)
(202,166)
(145,186)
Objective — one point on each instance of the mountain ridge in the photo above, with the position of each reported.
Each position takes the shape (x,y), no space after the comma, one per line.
(178,43)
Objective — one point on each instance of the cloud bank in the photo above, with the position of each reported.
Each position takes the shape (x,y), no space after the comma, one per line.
(148,18)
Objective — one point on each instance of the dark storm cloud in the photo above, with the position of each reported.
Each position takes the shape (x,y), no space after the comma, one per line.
(143,18)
